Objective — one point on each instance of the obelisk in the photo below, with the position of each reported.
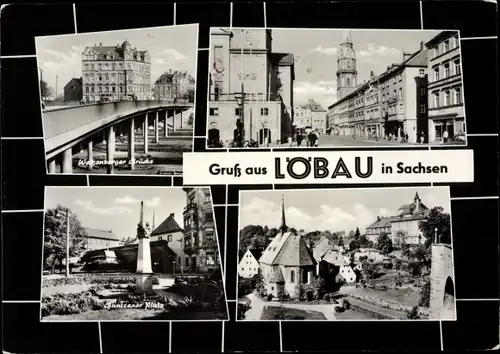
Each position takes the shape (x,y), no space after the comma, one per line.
(143,280)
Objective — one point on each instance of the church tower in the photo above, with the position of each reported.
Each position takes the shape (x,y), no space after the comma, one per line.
(283,226)
(347,75)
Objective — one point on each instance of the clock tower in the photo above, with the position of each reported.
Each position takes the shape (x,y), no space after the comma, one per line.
(347,75)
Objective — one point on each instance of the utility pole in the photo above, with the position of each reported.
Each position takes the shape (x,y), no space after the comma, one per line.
(57,79)
(67,243)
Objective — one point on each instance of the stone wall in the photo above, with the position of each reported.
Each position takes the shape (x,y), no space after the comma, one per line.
(441,270)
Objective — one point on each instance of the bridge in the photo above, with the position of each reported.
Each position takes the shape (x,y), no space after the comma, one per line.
(74,129)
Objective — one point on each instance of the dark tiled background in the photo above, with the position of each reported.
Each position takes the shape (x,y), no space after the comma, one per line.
(475,226)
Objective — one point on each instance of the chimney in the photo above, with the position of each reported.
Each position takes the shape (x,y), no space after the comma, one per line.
(422,45)
(172,214)
(310,243)
(406,56)
(100,44)
(378,218)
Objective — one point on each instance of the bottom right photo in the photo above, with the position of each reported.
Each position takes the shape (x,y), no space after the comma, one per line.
(346,254)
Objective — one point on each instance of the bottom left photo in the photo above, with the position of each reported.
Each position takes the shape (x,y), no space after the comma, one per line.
(131,254)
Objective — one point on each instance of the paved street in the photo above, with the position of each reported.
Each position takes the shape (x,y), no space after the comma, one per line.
(334,140)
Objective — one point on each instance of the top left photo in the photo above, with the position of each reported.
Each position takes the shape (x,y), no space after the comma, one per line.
(118,102)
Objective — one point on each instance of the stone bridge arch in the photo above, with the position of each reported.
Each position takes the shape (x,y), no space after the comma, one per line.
(442,281)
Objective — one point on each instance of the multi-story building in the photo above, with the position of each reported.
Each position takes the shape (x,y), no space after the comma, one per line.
(100,239)
(111,73)
(347,75)
(249,82)
(170,231)
(357,109)
(73,90)
(310,115)
(249,263)
(200,240)
(174,85)
(446,108)
(405,224)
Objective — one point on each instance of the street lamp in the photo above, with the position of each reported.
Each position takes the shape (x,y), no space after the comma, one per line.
(240,100)
(436,235)
(182,257)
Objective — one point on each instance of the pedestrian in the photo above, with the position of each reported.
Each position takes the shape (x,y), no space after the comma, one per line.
(290,141)
(422,136)
(299,139)
(445,136)
(313,138)
(406,137)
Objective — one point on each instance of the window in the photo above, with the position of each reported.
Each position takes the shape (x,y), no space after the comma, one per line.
(237,111)
(447,98)
(394,94)
(436,51)
(446,46)
(400,77)
(264,111)
(435,99)
(457,66)
(214,111)
(422,108)
(436,73)
(447,70)
(160,238)
(169,238)
(400,93)
(458,95)
(100,77)
(292,276)
(348,81)
(421,72)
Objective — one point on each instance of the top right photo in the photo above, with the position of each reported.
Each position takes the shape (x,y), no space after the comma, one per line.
(285,88)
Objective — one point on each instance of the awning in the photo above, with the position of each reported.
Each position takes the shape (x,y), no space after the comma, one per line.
(444,116)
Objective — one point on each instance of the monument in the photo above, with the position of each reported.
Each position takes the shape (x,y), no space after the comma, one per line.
(143,280)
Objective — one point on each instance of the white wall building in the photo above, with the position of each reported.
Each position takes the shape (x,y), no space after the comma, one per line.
(249,263)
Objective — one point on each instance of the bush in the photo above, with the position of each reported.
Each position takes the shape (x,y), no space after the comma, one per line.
(88,279)
(413,314)
(346,305)
(68,304)
(242,309)
(245,286)
(155,280)
(425,295)
(269,297)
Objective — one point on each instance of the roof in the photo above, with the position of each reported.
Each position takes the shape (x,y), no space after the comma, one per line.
(383,222)
(169,225)
(117,51)
(295,252)
(77,80)
(418,216)
(334,257)
(101,234)
(282,58)
(256,253)
(440,37)
(272,250)
(277,276)
(321,247)
(411,208)
(164,78)
(314,106)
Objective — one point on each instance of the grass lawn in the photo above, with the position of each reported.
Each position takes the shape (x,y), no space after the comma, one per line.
(353,315)
(406,297)
(278,313)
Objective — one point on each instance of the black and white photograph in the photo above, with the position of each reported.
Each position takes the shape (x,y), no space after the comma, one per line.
(131,254)
(118,102)
(346,254)
(334,88)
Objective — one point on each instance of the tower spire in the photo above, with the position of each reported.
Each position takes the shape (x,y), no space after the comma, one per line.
(283,226)
(141,216)
(153,226)
(346,36)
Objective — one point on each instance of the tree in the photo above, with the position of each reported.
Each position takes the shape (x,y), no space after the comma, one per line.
(189,95)
(190,120)
(341,241)
(425,295)
(357,233)
(247,234)
(44,89)
(384,243)
(368,269)
(436,219)
(54,243)
(272,232)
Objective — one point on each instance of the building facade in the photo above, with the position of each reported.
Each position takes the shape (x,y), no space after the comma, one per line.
(385,104)
(405,224)
(287,262)
(446,107)
(200,240)
(249,263)
(100,239)
(249,82)
(73,90)
(347,75)
(174,85)
(113,73)
(170,231)
(310,115)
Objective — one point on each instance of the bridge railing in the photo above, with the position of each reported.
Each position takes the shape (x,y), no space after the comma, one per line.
(60,120)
